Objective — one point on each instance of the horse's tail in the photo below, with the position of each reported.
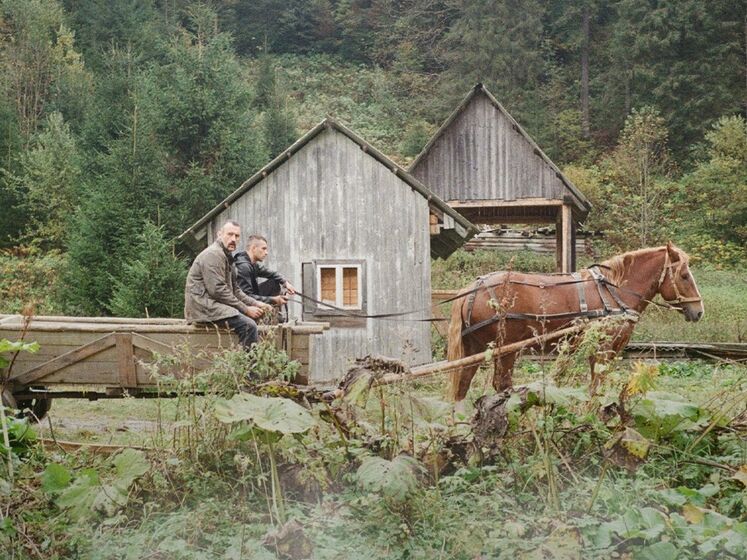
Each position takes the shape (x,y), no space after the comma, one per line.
(455,350)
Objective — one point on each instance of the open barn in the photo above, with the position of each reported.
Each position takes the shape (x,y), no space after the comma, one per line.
(355,231)
(486,166)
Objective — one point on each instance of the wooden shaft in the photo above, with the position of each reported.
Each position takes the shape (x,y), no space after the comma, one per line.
(440,367)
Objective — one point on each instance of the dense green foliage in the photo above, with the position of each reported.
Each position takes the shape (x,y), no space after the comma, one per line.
(114,115)
(388,472)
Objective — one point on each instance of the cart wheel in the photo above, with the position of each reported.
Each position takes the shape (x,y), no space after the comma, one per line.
(34,409)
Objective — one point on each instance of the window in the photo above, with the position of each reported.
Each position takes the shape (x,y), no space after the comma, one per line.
(341,283)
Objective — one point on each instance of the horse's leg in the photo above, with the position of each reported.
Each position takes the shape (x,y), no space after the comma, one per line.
(503,369)
(467,373)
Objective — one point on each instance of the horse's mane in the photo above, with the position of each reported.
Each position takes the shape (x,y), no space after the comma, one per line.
(616,268)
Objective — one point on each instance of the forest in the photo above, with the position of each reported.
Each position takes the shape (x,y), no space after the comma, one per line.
(122,123)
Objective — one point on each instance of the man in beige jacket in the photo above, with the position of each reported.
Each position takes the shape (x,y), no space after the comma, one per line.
(212,294)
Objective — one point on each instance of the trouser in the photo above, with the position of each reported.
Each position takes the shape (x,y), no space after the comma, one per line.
(245,327)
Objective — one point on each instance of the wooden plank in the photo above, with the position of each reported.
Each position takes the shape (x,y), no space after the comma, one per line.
(300,354)
(108,320)
(300,341)
(152,345)
(567,238)
(125,360)
(83,326)
(490,203)
(56,364)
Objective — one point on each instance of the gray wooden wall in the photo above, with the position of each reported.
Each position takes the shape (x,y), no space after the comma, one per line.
(481,156)
(331,200)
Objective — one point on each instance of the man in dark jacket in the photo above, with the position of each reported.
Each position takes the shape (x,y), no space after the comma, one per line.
(212,294)
(250,268)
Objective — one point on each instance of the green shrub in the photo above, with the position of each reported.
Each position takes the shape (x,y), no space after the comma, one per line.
(28,278)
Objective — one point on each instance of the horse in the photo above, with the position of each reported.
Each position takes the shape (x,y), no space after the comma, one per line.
(506,307)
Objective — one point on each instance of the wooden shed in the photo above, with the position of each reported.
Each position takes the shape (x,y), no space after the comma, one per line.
(483,164)
(353,229)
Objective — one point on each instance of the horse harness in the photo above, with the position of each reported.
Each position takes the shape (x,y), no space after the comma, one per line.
(609,308)
(674,270)
(596,275)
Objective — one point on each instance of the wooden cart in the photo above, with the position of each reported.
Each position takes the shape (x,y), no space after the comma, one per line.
(97,357)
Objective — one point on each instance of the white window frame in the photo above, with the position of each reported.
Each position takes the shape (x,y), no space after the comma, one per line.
(339,297)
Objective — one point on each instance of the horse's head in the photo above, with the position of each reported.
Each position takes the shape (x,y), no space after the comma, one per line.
(677,285)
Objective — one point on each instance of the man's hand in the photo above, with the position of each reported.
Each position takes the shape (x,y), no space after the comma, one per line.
(279,300)
(254,312)
(289,288)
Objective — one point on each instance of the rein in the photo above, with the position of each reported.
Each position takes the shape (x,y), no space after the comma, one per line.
(596,276)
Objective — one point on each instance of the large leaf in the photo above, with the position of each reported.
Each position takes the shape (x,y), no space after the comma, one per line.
(88,495)
(80,497)
(18,346)
(428,410)
(661,414)
(272,414)
(56,478)
(395,479)
(541,393)
(659,551)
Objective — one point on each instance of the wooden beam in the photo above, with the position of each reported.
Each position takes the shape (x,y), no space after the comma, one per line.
(154,346)
(126,360)
(567,239)
(444,366)
(502,203)
(82,325)
(65,360)
(574,245)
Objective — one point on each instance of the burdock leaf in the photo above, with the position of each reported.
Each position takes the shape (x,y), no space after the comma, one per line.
(272,414)
(55,478)
(395,479)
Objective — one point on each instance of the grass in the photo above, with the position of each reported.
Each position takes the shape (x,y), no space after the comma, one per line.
(497,508)
(725,301)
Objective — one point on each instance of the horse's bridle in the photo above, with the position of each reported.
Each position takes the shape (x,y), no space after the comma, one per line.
(673,271)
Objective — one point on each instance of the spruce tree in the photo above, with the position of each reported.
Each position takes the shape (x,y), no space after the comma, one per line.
(151,283)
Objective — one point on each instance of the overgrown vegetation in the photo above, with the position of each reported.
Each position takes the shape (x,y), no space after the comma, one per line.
(653,466)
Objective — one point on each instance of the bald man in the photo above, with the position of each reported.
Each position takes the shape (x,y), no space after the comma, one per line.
(212,294)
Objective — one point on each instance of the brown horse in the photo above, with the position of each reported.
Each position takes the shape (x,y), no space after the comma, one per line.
(506,307)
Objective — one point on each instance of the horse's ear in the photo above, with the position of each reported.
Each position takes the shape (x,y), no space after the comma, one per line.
(672,251)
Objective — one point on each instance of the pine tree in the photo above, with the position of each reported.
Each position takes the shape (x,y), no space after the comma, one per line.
(684,57)
(279,127)
(50,177)
(716,191)
(152,281)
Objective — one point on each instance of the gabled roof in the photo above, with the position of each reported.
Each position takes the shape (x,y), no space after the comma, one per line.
(480,89)
(463,228)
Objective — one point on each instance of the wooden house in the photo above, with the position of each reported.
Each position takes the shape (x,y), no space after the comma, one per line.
(354,230)
(484,165)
